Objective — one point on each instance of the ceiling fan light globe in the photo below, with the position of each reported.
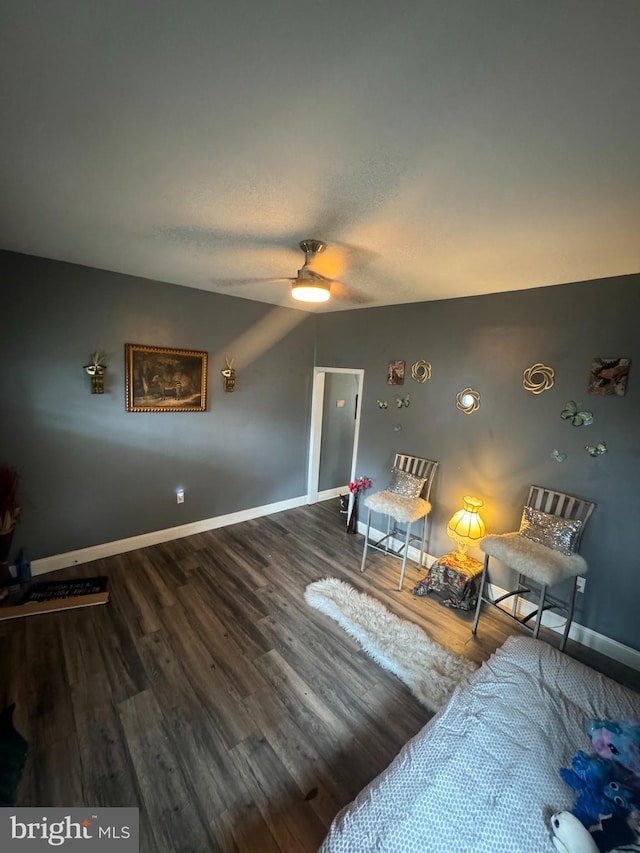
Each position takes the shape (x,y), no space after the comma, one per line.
(310,292)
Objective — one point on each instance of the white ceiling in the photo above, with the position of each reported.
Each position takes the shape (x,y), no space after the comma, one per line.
(443,148)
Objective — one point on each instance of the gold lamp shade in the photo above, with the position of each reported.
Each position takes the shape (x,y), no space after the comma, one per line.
(467,526)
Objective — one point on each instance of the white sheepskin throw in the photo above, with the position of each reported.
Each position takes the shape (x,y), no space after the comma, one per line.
(430,671)
(397,506)
(535,561)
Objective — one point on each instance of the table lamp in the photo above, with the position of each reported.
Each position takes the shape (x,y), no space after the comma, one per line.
(466,526)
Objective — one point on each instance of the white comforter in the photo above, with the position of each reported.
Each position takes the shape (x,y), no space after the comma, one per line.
(482,776)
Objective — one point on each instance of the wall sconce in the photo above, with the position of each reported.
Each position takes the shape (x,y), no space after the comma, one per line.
(466,526)
(229,375)
(468,401)
(96,371)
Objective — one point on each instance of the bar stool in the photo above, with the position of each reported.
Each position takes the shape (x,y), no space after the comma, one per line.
(543,553)
(404,501)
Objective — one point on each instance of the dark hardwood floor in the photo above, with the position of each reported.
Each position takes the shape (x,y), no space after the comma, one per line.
(210,695)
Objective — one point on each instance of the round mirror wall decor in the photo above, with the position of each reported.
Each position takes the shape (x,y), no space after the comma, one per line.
(421,371)
(468,401)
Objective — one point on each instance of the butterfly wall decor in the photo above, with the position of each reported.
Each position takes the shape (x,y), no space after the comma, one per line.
(597,450)
(571,413)
(559,457)
(403,401)
(382,404)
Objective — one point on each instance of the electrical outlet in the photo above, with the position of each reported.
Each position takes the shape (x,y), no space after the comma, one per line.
(580,584)
(180,496)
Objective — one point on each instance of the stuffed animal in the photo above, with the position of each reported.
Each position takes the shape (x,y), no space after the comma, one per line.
(602,789)
(618,741)
(570,836)
(614,833)
(608,788)
(611,833)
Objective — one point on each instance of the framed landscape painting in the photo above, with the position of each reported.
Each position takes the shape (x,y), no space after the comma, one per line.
(165,380)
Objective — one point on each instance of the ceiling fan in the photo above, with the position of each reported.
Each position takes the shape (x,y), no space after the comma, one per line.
(308,285)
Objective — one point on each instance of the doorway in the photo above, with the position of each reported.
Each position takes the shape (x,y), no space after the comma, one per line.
(335,428)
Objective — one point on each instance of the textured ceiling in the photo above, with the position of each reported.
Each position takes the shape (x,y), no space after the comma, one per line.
(442,148)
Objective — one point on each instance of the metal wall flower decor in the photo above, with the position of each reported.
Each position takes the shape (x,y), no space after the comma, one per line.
(538,378)
(468,401)
(421,371)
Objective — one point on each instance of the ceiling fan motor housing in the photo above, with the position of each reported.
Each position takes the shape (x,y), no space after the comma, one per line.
(311,248)
(311,286)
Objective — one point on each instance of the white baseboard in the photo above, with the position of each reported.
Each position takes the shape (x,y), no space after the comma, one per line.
(327,494)
(580,633)
(120,546)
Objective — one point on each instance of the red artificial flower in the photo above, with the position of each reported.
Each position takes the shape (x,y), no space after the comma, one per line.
(360,485)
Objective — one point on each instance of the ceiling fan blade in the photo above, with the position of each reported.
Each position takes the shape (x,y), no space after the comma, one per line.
(346,293)
(233,282)
(341,259)
(357,256)
(216,239)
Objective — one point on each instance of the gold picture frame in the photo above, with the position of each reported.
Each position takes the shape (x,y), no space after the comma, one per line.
(161,379)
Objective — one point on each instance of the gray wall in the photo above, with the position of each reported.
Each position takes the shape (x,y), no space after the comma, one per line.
(338,430)
(486,342)
(94,473)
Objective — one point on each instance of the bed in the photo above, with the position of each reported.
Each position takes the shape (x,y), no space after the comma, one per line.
(482,775)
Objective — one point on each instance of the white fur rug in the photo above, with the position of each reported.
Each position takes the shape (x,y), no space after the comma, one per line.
(430,671)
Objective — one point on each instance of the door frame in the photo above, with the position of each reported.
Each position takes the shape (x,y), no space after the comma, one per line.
(315,432)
